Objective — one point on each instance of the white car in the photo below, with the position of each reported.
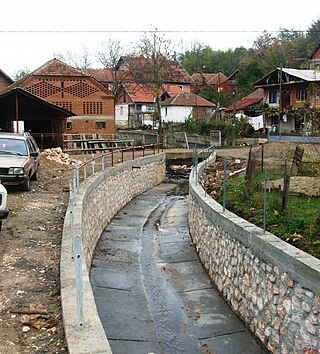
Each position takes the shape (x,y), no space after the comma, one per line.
(4,212)
(19,159)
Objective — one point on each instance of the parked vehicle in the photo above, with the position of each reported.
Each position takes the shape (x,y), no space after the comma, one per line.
(4,212)
(19,159)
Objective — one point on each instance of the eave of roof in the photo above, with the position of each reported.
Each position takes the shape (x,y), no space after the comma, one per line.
(21,91)
(8,78)
(247,101)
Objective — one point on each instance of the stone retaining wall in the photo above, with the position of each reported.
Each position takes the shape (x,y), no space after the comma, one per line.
(98,201)
(272,286)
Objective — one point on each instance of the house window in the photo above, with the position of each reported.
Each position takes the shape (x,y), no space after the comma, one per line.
(273,96)
(100,125)
(69,125)
(318,96)
(301,94)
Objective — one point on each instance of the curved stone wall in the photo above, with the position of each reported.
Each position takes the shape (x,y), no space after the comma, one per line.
(98,201)
(272,286)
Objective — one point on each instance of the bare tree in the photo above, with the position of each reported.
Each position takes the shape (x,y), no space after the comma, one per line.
(151,65)
(110,55)
(80,61)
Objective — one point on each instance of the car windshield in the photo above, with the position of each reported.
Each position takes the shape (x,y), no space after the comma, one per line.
(13,147)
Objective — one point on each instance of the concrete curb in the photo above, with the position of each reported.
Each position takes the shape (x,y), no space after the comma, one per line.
(92,214)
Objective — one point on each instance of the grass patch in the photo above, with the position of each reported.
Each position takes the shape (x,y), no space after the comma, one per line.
(299,225)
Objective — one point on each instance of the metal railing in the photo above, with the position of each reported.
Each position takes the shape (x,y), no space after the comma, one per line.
(82,171)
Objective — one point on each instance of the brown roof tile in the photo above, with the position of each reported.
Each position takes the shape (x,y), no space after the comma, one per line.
(187,99)
(249,100)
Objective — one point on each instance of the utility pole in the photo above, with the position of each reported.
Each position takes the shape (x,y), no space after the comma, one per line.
(280,101)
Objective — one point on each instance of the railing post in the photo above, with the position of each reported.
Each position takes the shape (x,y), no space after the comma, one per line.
(92,164)
(79,287)
(77,176)
(121,154)
(143,149)
(71,198)
(112,157)
(102,162)
(132,151)
(85,169)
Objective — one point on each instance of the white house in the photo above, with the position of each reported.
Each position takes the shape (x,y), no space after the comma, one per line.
(178,108)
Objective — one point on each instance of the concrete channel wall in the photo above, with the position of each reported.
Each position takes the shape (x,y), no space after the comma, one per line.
(98,201)
(272,286)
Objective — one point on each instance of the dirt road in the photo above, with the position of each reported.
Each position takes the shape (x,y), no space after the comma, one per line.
(30,314)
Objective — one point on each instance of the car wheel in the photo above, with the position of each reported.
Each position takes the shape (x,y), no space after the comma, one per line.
(35,176)
(26,185)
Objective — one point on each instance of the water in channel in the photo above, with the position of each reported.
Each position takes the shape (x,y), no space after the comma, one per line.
(151,291)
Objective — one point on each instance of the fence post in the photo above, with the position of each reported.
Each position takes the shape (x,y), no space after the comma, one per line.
(121,154)
(196,164)
(112,161)
(224,182)
(85,169)
(132,151)
(143,149)
(79,288)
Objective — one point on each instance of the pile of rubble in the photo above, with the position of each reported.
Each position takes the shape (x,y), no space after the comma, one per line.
(57,155)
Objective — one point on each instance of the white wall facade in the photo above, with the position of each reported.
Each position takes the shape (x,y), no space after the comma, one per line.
(121,114)
(176,114)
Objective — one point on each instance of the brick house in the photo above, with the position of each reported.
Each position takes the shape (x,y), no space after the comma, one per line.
(77,92)
(298,102)
(135,101)
(5,81)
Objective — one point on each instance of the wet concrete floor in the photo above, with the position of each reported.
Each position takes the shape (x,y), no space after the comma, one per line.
(151,291)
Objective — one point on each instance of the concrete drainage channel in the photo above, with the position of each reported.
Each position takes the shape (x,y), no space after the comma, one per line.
(151,291)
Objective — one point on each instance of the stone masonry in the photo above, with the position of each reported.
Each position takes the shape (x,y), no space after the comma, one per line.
(273,287)
(97,202)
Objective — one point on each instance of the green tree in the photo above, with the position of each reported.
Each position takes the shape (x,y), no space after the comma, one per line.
(248,75)
(313,35)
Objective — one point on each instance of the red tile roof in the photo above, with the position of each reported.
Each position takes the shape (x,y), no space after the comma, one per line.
(209,79)
(247,101)
(173,90)
(187,99)
(104,75)
(171,71)
(56,67)
(139,93)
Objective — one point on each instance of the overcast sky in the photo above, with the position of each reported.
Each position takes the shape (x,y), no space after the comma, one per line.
(219,24)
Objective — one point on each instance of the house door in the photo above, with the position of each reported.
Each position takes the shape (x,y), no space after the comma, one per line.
(286,99)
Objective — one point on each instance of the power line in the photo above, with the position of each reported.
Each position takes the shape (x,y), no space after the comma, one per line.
(149,31)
